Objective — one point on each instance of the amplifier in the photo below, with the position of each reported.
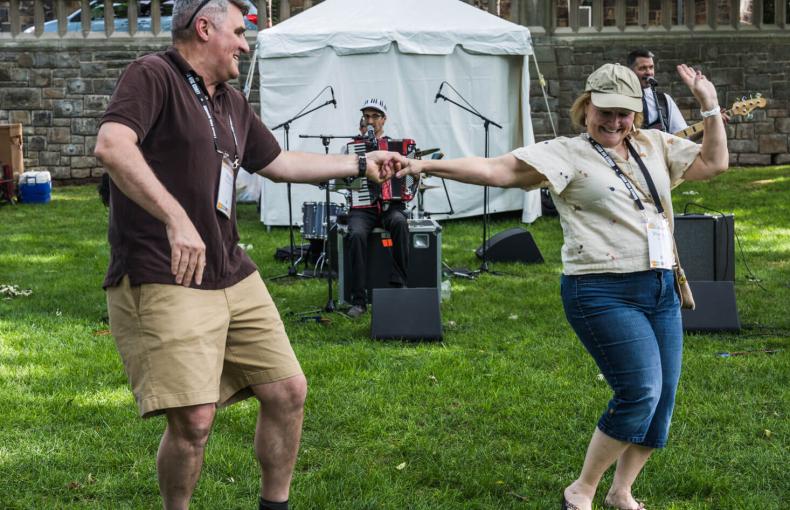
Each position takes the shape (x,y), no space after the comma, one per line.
(425,259)
(706,246)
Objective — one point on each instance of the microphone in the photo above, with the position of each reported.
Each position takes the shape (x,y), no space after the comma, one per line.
(438,92)
(334,103)
(651,81)
(370,138)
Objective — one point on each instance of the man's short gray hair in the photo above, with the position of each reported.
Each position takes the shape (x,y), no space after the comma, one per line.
(186,10)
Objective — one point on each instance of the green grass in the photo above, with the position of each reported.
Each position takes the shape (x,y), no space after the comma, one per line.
(495,417)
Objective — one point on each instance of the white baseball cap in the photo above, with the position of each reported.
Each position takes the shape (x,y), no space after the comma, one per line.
(376,104)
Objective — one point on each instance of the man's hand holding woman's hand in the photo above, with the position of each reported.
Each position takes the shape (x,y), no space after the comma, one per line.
(412,167)
(383,165)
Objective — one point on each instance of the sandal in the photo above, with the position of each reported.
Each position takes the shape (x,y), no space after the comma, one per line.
(566,505)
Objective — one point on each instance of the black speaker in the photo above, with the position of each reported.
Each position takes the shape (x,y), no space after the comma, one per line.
(409,314)
(512,245)
(716,309)
(706,246)
(425,259)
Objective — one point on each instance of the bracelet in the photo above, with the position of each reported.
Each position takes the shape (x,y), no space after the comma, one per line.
(362,165)
(716,110)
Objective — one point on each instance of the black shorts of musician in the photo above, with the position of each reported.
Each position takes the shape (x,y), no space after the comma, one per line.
(361,222)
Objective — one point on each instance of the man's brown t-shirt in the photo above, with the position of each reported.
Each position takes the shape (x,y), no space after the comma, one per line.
(154,99)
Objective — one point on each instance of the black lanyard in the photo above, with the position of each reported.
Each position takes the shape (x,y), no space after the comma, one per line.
(650,184)
(192,80)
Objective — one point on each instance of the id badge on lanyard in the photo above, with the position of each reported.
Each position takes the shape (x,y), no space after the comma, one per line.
(659,243)
(226,181)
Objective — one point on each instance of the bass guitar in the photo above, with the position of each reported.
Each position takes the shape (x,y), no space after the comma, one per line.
(743,107)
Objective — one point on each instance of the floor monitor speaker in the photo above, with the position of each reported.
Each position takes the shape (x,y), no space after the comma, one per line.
(408,314)
(716,308)
(512,245)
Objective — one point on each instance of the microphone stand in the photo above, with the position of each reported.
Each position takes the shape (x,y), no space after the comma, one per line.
(326,255)
(486,125)
(664,126)
(287,127)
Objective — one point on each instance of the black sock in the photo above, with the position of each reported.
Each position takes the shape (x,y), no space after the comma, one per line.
(271,505)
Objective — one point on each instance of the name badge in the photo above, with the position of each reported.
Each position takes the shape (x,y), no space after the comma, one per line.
(225,192)
(659,244)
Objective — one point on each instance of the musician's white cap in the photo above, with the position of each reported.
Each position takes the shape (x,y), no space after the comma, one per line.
(376,104)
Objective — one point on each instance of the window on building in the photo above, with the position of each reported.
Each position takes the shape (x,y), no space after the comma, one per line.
(654,13)
(723,12)
(769,12)
(609,13)
(700,12)
(632,12)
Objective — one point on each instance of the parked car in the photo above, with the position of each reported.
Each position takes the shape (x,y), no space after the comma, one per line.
(121,21)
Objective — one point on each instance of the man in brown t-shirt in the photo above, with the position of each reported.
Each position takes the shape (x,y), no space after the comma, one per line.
(193,322)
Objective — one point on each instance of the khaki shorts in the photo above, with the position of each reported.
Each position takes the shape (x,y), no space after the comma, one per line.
(183,347)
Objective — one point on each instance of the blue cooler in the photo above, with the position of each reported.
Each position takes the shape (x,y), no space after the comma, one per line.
(35,187)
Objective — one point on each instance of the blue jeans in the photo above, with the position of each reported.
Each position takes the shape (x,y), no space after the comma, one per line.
(630,323)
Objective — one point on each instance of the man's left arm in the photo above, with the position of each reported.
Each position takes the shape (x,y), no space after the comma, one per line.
(306,167)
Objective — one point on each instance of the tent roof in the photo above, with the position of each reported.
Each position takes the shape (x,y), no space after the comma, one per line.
(429,27)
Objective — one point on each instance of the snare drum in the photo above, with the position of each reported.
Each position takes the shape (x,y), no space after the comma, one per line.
(314,218)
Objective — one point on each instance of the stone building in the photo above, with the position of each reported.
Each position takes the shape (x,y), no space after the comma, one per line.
(58,84)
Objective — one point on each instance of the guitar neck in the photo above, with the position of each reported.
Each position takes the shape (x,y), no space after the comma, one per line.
(699,127)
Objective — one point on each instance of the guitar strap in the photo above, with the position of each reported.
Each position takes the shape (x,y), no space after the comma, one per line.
(663,104)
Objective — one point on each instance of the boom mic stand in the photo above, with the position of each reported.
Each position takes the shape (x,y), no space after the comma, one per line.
(486,125)
(287,126)
(326,254)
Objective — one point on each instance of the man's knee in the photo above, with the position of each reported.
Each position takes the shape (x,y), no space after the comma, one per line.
(192,424)
(287,395)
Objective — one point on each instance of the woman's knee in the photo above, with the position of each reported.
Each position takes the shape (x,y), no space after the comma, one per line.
(642,398)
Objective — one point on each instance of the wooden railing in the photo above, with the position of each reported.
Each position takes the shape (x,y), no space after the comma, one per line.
(635,16)
(54,19)
(32,19)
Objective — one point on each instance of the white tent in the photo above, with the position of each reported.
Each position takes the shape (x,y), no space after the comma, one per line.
(400,52)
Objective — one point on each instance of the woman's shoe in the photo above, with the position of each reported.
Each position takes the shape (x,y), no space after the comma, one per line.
(568,506)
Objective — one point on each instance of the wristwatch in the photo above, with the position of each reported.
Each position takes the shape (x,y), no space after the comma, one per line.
(362,163)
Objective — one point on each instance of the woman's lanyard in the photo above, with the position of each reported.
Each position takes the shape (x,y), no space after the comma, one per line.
(192,79)
(650,184)
(659,239)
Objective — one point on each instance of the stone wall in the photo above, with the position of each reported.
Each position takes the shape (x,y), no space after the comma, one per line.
(59,88)
(739,63)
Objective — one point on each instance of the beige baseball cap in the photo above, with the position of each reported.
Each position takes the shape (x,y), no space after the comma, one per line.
(615,86)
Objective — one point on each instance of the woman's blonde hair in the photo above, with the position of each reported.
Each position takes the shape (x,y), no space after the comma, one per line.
(579,112)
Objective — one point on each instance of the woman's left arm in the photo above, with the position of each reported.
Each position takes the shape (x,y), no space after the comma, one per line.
(714,157)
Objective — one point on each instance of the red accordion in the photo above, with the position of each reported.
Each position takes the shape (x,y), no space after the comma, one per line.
(395,189)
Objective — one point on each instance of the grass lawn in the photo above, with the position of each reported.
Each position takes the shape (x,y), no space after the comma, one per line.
(497,416)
